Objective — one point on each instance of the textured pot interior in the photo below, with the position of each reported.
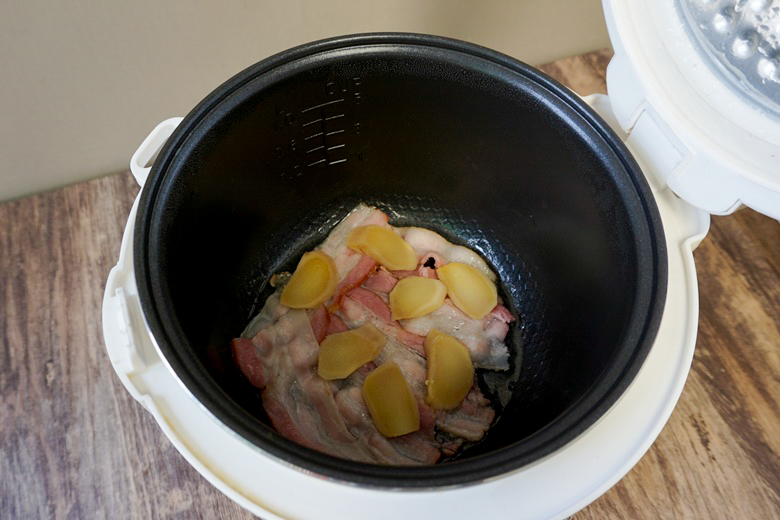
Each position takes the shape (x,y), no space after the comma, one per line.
(481,148)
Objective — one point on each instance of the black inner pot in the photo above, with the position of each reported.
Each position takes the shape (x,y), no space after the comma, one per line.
(439,133)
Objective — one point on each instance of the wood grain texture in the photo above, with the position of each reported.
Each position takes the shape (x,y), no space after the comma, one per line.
(74,444)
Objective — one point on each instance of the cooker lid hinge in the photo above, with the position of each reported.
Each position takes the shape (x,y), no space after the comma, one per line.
(694,129)
(658,147)
(660,153)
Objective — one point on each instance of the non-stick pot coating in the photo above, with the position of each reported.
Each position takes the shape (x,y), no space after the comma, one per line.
(438,133)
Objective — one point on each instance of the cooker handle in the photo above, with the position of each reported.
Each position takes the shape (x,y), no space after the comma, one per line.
(149,148)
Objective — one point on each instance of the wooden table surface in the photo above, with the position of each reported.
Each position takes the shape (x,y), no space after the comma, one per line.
(74,444)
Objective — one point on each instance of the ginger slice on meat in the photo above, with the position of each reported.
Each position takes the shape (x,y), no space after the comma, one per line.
(415,296)
(450,371)
(344,352)
(313,282)
(390,401)
(383,245)
(469,289)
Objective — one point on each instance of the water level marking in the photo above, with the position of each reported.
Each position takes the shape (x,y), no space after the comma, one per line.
(321,105)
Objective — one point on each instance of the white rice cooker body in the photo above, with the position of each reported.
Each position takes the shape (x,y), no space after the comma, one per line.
(680,138)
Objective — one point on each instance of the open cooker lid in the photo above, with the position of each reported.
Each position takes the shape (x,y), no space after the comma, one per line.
(696,85)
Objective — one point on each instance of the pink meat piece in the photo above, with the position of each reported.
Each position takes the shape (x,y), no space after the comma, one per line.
(285,424)
(380,281)
(496,325)
(354,278)
(373,302)
(336,324)
(319,319)
(323,323)
(383,281)
(363,306)
(470,420)
(484,338)
(246,358)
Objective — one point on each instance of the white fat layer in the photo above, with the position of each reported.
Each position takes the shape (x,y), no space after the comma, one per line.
(424,241)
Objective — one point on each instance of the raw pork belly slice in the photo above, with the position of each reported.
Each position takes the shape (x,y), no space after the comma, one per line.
(282,359)
(484,338)
(298,402)
(424,241)
(470,420)
(406,350)
(279,350)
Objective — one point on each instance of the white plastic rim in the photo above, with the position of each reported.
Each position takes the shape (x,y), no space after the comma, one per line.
(149,147)
(713,147)
(554,487)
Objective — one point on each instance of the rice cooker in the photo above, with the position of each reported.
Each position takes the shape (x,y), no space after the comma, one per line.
(694,95)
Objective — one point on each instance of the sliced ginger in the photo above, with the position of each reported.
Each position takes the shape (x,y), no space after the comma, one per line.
(383,245)
(469,289)
(344,352)
(415,296)
(390,401)
(450,371)
(313,282)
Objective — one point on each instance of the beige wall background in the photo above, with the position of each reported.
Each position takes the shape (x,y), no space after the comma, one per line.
(83,82)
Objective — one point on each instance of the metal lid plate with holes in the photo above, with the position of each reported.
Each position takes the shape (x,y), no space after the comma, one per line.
(695,85)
